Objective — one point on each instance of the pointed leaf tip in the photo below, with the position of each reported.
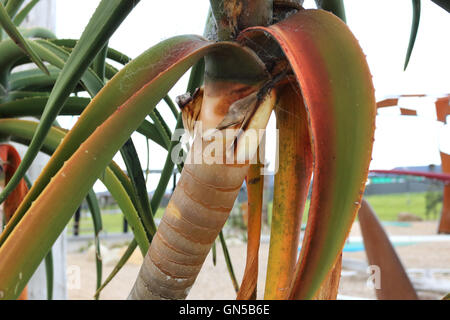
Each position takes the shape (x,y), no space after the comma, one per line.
(414,29)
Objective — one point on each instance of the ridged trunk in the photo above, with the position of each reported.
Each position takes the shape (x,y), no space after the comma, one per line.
(196,213)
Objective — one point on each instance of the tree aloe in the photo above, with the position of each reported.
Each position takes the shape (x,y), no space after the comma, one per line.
(266,55)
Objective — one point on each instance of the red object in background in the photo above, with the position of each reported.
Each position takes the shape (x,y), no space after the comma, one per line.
(444,223)
(9,161)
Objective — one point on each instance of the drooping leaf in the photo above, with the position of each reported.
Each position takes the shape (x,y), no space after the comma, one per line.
(22,14)
(137,94)
(49,274)
(106,19)
(12,6)
(114,179)
(122,261)
(12,31)
(37,32)
(99,63)
(32,80)
(31,104)
(338,92)
(134,170)
(34,105)
(228,262)
(291,186)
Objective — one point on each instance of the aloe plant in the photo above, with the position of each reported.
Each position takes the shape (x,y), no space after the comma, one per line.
(259,57)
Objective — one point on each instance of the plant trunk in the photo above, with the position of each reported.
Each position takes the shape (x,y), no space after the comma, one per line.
(196,213)
(207,189)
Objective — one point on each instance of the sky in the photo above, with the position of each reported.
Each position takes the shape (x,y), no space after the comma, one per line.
(382,28)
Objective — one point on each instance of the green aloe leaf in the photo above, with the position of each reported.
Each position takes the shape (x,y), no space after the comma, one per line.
(32,104)
(114,179)
(96,214)
(106,19)
(122,261)
(99,63)
(444,4)
(230,268)
(12,31)
(111,53)
(33,80)
(11,56)
(135,172)
(49,274)
(172,106)
(22,14)
(161,126)
(120,89)
(414,29)
(119,109)
(12,6)
(37,32)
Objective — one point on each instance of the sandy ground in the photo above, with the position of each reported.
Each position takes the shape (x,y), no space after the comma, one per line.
(214,282)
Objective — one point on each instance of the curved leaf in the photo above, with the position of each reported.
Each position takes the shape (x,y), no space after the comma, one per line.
(129,97)
(12,31)
(32,104)
(114,179)
(22,14)
(33,79)
(134,170)
(230,269)
(291,188)
(414,28)
(337,88)
(106,19)
(94,208)
(12,6)
(122,261)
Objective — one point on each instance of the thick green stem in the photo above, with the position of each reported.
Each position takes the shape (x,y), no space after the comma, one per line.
(232,16)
